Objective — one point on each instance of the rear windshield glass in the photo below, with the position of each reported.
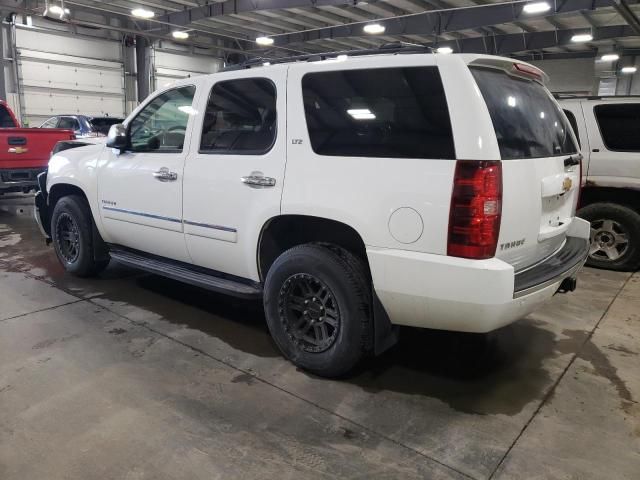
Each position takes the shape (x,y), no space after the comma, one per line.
(620,126)
(382,112)
(6,120)
(102,124)
(528,123)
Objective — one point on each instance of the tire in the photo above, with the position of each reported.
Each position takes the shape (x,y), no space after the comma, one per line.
(615,236)
(337,316)
(71,231)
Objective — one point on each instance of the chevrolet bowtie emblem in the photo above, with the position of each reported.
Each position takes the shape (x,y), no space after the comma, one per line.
(566,184)
(18,150)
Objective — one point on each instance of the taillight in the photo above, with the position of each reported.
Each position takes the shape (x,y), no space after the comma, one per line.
(476,208)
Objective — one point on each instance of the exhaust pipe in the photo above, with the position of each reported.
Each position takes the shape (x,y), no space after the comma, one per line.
(568,285)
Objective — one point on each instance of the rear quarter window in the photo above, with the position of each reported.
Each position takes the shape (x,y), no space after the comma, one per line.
(619,126)
(382,112)
(6,120)
(527,122)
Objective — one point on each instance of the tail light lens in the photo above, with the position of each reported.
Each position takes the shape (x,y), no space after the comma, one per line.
(476,208)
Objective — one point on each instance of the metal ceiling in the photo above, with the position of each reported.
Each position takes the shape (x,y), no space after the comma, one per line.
(314,26)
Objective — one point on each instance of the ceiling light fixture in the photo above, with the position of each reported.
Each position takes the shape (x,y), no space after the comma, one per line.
(142,13)
(536,7)
(180,35)
(610,57)
(361,114)
(582,37)
(444,50)
(264,41)
(374,28)
(629,70)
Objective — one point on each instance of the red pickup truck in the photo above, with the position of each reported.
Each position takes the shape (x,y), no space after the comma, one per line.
(24,152)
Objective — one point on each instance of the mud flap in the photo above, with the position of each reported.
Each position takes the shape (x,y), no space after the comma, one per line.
(385,334)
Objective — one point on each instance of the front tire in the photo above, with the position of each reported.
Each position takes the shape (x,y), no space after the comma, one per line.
(71,231)
(615,236)
(318,307)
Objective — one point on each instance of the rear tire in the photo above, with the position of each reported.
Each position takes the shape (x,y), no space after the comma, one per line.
(72,234)
(317,302)
(615,236)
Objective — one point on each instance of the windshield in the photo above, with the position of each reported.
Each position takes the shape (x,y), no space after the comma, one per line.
(528,123)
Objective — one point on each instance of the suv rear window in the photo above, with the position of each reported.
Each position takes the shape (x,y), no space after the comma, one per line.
(619,125)
(528,123)
(103,124)
(381,112)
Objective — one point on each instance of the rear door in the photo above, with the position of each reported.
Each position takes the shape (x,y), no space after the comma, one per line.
(614,133)
(540,162)
(234,174)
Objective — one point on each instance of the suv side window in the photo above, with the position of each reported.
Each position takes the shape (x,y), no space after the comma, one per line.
(619,125)
(380,112)
(240,117)
(69,123)
(161,125)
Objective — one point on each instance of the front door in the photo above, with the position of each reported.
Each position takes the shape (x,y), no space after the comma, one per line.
(234,176)
(140,189)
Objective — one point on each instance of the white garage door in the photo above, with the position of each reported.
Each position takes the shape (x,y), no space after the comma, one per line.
(170,67)
(68,75)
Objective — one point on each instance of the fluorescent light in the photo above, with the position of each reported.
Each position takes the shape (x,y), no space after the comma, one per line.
(374,28)
(180,35)
(361,114)
(264,41)
(541,114)
(629,70)
(341,58)
(266,64)
(536,7)
(610,57)
(445,50)
(142,13)
(582,37)
(511,101)
(57,10)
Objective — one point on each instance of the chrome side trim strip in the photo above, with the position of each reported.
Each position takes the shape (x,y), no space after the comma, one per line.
(170,219)
(208,225)
(142,214)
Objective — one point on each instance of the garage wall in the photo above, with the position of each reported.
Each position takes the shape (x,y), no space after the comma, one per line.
(569,76)
(170,66)
(61,74)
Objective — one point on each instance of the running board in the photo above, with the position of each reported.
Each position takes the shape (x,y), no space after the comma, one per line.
(184,272)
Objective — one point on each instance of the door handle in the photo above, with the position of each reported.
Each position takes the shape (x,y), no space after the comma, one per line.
(256,180)
(164,175)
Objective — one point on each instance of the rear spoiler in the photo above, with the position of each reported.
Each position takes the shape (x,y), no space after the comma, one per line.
(512,67)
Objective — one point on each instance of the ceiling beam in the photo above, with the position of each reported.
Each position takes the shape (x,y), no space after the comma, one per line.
(437,22)
(509,44)
(228,7)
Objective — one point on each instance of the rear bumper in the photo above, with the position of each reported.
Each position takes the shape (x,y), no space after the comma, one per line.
(19,179)
(446,293)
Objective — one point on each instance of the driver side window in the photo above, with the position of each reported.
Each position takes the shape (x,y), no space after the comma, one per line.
(161,126)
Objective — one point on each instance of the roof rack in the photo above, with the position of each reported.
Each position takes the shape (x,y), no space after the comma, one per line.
(387,48)
(571,96)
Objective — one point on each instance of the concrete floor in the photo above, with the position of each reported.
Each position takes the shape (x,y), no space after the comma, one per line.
(131,376)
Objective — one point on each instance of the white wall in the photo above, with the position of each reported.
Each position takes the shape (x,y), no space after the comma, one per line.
(576,75)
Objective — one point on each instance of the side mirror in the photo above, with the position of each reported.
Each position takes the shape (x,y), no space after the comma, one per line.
(117,137)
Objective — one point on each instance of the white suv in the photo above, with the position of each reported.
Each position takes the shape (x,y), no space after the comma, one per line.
(351,194)
(608,129)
